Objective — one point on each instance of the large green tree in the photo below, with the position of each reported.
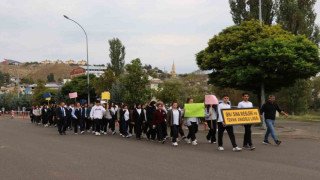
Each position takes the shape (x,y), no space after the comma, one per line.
(245,10)
(104,82)
(117,91)
(136,84)
(79,85)
(40,89)
(298,17)
(251,57)
(117,54)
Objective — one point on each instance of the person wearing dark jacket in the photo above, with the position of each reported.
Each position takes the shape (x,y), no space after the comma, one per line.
(150,132)
(50,115)
(159,122)
(44,115)
(62,119)
(80,117)
(269,109)
(89,122)
(174,121)
(124,119)
(138,119)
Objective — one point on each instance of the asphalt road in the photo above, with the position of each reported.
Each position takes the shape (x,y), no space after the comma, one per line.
(31,152)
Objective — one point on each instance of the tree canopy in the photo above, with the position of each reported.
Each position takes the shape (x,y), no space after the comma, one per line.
(247,55)
(117,54)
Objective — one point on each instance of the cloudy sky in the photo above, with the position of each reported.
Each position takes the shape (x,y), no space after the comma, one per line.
(156,31)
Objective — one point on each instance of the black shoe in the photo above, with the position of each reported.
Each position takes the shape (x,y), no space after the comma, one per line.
(64,133)
(278,142)
(266,142)
(246,147)
(60,133)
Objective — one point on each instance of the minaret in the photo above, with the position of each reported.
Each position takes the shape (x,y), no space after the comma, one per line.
(173,71)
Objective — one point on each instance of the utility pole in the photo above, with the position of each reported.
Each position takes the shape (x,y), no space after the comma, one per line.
(262,93)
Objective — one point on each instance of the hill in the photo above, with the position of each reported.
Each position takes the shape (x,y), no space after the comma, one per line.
(39,71)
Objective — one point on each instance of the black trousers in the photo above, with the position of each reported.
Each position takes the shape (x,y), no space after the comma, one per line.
(69,119)
(88,123)
(247,135)
(151,133)
(193,129)
(137,129)
(124,127)
(32,118)
(112,124)
(174,132)
(105,124)
(160,131)
(229,129)
(50,120)
(165,133)
(212,131)
(98,124)
(44,120)
(62,125)
(78,122)
(37,118)
(131,126)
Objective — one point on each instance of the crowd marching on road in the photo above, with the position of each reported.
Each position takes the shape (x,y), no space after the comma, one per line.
(152,121)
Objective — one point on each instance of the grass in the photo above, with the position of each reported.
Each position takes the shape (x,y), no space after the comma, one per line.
(312,116)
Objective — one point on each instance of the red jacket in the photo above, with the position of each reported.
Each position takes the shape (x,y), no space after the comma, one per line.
(159,117)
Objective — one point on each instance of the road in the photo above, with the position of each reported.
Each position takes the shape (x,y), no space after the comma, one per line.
(32,152)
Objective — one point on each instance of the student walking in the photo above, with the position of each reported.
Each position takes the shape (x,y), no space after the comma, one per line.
(96,114)
(62,119)
(159,123)
(222,127)
(211,120)
(192,124)
(269,109)
(247,141)
(150,132)
(89,122)
(124,119)
(174,121)
(37,115)
(112,122)
(45,115)
(138,120)
(79,119)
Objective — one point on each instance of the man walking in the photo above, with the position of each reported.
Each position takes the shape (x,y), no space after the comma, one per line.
(62,119)
(269,109)
(96,114)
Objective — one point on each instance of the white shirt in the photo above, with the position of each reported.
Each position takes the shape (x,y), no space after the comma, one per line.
(126,115)
(222,106)
(175,117)
(244,104)
(97,112)
(139,111)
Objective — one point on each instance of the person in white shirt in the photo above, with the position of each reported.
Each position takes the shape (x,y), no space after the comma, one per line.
(174,122)
(222,127)
(124,119)
(192,124)
(96,114)
(211,120)
(247,141)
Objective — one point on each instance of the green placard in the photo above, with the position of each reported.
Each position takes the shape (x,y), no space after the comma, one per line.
(194,110)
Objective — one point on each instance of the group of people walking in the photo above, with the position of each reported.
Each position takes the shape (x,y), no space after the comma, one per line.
(152,121)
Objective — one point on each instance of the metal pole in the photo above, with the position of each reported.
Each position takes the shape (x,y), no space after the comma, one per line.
(87,55)
(260,13)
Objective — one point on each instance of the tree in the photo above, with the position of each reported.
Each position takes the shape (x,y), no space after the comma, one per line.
(117,91)
(299,17)
(136,84)
(79,85)
(104,82)
(245,10)
(250,57)
(27,80)
(50,78)
(117,55)
(37,95)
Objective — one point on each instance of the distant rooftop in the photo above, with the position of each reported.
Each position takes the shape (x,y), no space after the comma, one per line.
(11,61)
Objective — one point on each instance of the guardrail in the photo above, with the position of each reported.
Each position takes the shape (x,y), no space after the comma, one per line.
(13,114)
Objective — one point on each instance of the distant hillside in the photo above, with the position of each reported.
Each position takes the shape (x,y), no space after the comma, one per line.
(39,71)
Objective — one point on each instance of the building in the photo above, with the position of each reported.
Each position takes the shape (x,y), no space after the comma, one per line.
(10,61)
(82,63)
(46,62)
(58,62)
(96,70)
(71,62)
(77,72)
(154,82)
(173,71)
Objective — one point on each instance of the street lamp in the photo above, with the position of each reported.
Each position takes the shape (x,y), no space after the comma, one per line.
(87,54)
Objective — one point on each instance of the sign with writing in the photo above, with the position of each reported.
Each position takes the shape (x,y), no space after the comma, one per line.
(194,110)
(48,99)
(241,116)
(211,99)
(105,95)
(73,95)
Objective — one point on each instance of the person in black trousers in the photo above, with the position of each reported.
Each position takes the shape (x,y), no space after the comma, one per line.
(150,132)
(44,115)
(131,124)
(69,116)
(62,119)
(78,120)
(138,119)
(50,115)
(124,119)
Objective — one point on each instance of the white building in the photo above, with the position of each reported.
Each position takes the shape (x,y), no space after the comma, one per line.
(96,70)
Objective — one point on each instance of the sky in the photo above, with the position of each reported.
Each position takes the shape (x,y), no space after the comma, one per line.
(156,31)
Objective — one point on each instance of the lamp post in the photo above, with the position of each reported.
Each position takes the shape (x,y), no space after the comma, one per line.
(87,54)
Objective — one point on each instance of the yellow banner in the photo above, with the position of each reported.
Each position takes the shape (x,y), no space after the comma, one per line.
(48,99)
(241,116)
(105,95)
